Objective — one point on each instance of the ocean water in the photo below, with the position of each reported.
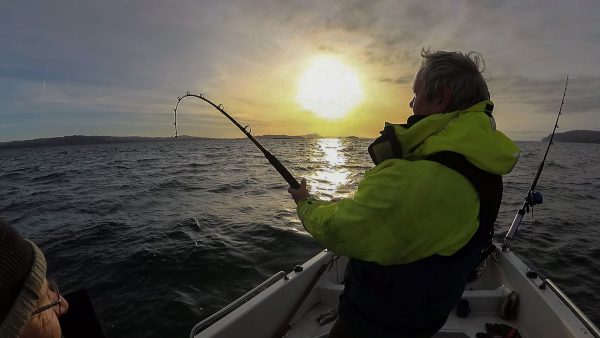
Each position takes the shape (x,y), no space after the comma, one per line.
(163,234)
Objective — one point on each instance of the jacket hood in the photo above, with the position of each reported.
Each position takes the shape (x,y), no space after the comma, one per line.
(470,132)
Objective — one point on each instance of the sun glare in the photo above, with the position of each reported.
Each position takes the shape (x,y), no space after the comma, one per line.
(328,87)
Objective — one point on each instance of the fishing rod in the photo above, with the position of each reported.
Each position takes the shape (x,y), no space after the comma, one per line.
(281,169)
(533,197)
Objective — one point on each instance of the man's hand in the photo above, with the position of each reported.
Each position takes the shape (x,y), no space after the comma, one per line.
(299,194)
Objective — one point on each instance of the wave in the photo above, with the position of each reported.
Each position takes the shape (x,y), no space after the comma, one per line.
(12,175)
(198,165)
(174,185)
(556,164)
(101,207)
(229,187)
(51,178)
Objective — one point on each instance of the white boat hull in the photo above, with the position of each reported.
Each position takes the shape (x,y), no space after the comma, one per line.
(291,305)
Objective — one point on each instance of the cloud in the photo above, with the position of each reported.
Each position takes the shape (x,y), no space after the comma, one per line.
(545,95)
(138,56)
(108,43)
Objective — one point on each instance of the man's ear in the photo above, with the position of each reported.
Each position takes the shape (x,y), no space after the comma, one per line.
(444,100)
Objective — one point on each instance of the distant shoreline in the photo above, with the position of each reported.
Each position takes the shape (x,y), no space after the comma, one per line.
(576,136)
(75,140)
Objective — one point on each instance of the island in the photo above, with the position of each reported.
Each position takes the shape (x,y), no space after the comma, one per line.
(278,136)
(83,140)
(577,136)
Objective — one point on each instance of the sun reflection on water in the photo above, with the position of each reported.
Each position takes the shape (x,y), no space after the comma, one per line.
(331,174)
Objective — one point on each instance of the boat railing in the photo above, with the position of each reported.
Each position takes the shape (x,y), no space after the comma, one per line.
(578,313)
(236,304)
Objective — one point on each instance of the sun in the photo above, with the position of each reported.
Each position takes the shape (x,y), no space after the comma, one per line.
(328,87)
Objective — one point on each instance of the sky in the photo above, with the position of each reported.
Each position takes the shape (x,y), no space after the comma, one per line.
(75,67)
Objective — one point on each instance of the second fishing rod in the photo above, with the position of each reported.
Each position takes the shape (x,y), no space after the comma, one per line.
(533,197)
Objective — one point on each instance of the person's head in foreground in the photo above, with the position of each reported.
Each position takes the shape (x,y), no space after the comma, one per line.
(30,304)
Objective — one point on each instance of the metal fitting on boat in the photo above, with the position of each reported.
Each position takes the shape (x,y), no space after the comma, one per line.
(463,309)
(509,306)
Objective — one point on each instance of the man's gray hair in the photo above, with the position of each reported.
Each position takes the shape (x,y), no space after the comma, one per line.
(458,71)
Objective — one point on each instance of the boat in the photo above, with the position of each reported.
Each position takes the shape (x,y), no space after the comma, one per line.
(507,299)
(303,303)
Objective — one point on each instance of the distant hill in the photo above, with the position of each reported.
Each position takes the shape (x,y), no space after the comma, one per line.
(278,136)
(577,136)
(82,140)
(291,137)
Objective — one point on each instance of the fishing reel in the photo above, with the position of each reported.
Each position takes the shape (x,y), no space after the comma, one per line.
(534,197)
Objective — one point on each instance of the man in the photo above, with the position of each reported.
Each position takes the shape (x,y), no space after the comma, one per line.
(420,219)
(30,305)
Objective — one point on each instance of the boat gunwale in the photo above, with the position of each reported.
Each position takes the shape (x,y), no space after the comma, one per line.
(215,317)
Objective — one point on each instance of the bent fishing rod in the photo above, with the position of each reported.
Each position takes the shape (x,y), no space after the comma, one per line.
(533,197)
(281,169)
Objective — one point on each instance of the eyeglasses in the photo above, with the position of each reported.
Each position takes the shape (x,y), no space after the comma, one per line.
(54,288)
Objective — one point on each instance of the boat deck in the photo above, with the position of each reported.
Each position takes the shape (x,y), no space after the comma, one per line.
(455,327)
(484,306)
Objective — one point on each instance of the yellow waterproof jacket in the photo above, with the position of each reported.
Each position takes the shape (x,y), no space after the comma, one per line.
(409,208)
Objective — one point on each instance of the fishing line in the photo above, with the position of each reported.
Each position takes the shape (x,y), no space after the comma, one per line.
(281,169)
(530,254)
(213,261)
(533,197)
